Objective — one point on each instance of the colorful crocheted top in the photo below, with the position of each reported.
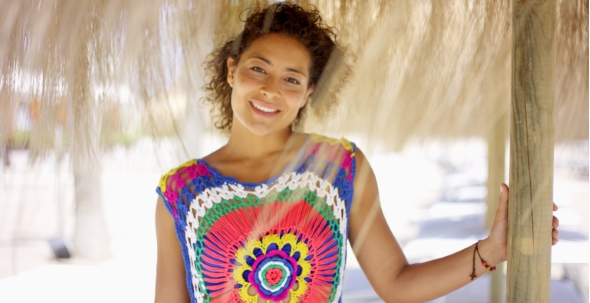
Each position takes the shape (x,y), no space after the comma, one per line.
(283,239)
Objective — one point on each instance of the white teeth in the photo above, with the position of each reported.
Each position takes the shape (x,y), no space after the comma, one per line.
(264,109)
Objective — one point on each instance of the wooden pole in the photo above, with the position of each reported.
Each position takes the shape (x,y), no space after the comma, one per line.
(496,176)
(531,151)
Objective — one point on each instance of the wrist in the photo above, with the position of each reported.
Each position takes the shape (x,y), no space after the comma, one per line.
(491,253)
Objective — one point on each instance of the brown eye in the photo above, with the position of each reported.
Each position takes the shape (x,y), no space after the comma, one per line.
(291,80)
(257,69)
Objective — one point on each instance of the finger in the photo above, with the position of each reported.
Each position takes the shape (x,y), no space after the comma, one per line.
(504,189)
(503,203)
(555,222)
(555,236)
(555,207)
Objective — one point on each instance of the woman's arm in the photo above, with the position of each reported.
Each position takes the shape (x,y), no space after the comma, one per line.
(170,272)
(384,263)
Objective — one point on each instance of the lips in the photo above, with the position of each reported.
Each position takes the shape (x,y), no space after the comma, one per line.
(264,109)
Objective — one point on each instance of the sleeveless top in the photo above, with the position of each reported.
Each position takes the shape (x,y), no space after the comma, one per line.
(283,239)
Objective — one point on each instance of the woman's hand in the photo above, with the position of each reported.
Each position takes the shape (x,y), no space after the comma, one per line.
(555,232)
(498,238)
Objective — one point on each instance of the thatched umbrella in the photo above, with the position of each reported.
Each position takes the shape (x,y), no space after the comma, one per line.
(421,69)
(441,69)
(95,70)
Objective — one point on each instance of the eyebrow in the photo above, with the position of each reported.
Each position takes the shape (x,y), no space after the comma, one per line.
(269,63)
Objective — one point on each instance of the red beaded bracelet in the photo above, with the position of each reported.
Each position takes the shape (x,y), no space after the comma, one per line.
(483,262)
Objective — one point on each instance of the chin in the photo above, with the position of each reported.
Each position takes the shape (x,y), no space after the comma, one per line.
(266,129)
(263,130)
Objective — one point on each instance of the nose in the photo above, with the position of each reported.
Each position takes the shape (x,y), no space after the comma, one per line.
(270,88)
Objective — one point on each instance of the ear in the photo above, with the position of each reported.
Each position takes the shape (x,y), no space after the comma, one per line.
(307,94)
(231,71)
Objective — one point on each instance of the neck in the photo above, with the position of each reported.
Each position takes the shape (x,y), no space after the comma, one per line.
(243,144)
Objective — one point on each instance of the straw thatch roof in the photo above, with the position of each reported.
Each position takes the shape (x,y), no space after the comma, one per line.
(422,69)
(433,68)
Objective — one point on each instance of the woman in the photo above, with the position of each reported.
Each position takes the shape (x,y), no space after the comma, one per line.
(266,217)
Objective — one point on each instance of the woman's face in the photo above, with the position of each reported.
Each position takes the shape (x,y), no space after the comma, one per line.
(270,84)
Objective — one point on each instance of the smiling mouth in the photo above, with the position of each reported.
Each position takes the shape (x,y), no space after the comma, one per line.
(264,109)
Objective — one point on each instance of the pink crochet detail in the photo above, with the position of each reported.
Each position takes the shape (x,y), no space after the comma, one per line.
(180,179)
(171,196)
(347,164)
(333,153)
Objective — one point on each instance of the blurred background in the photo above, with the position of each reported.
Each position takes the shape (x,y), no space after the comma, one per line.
(99,98)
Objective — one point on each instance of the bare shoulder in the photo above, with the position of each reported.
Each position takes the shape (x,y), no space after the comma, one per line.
(365,182)
(361,160)
(366,194)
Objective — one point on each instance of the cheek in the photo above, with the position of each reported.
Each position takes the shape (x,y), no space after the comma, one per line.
(245,79)
(242,89)
(295,98)
(247,82)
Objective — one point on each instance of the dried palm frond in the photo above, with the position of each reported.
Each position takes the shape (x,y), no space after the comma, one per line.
(441,69)
(85,70)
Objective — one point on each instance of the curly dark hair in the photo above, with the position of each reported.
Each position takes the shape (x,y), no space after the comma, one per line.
(305,25)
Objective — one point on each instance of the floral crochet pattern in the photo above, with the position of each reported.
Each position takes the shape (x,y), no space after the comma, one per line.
(273,266)
(283,239)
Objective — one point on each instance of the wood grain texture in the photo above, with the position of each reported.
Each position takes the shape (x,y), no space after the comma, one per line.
(531,151)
